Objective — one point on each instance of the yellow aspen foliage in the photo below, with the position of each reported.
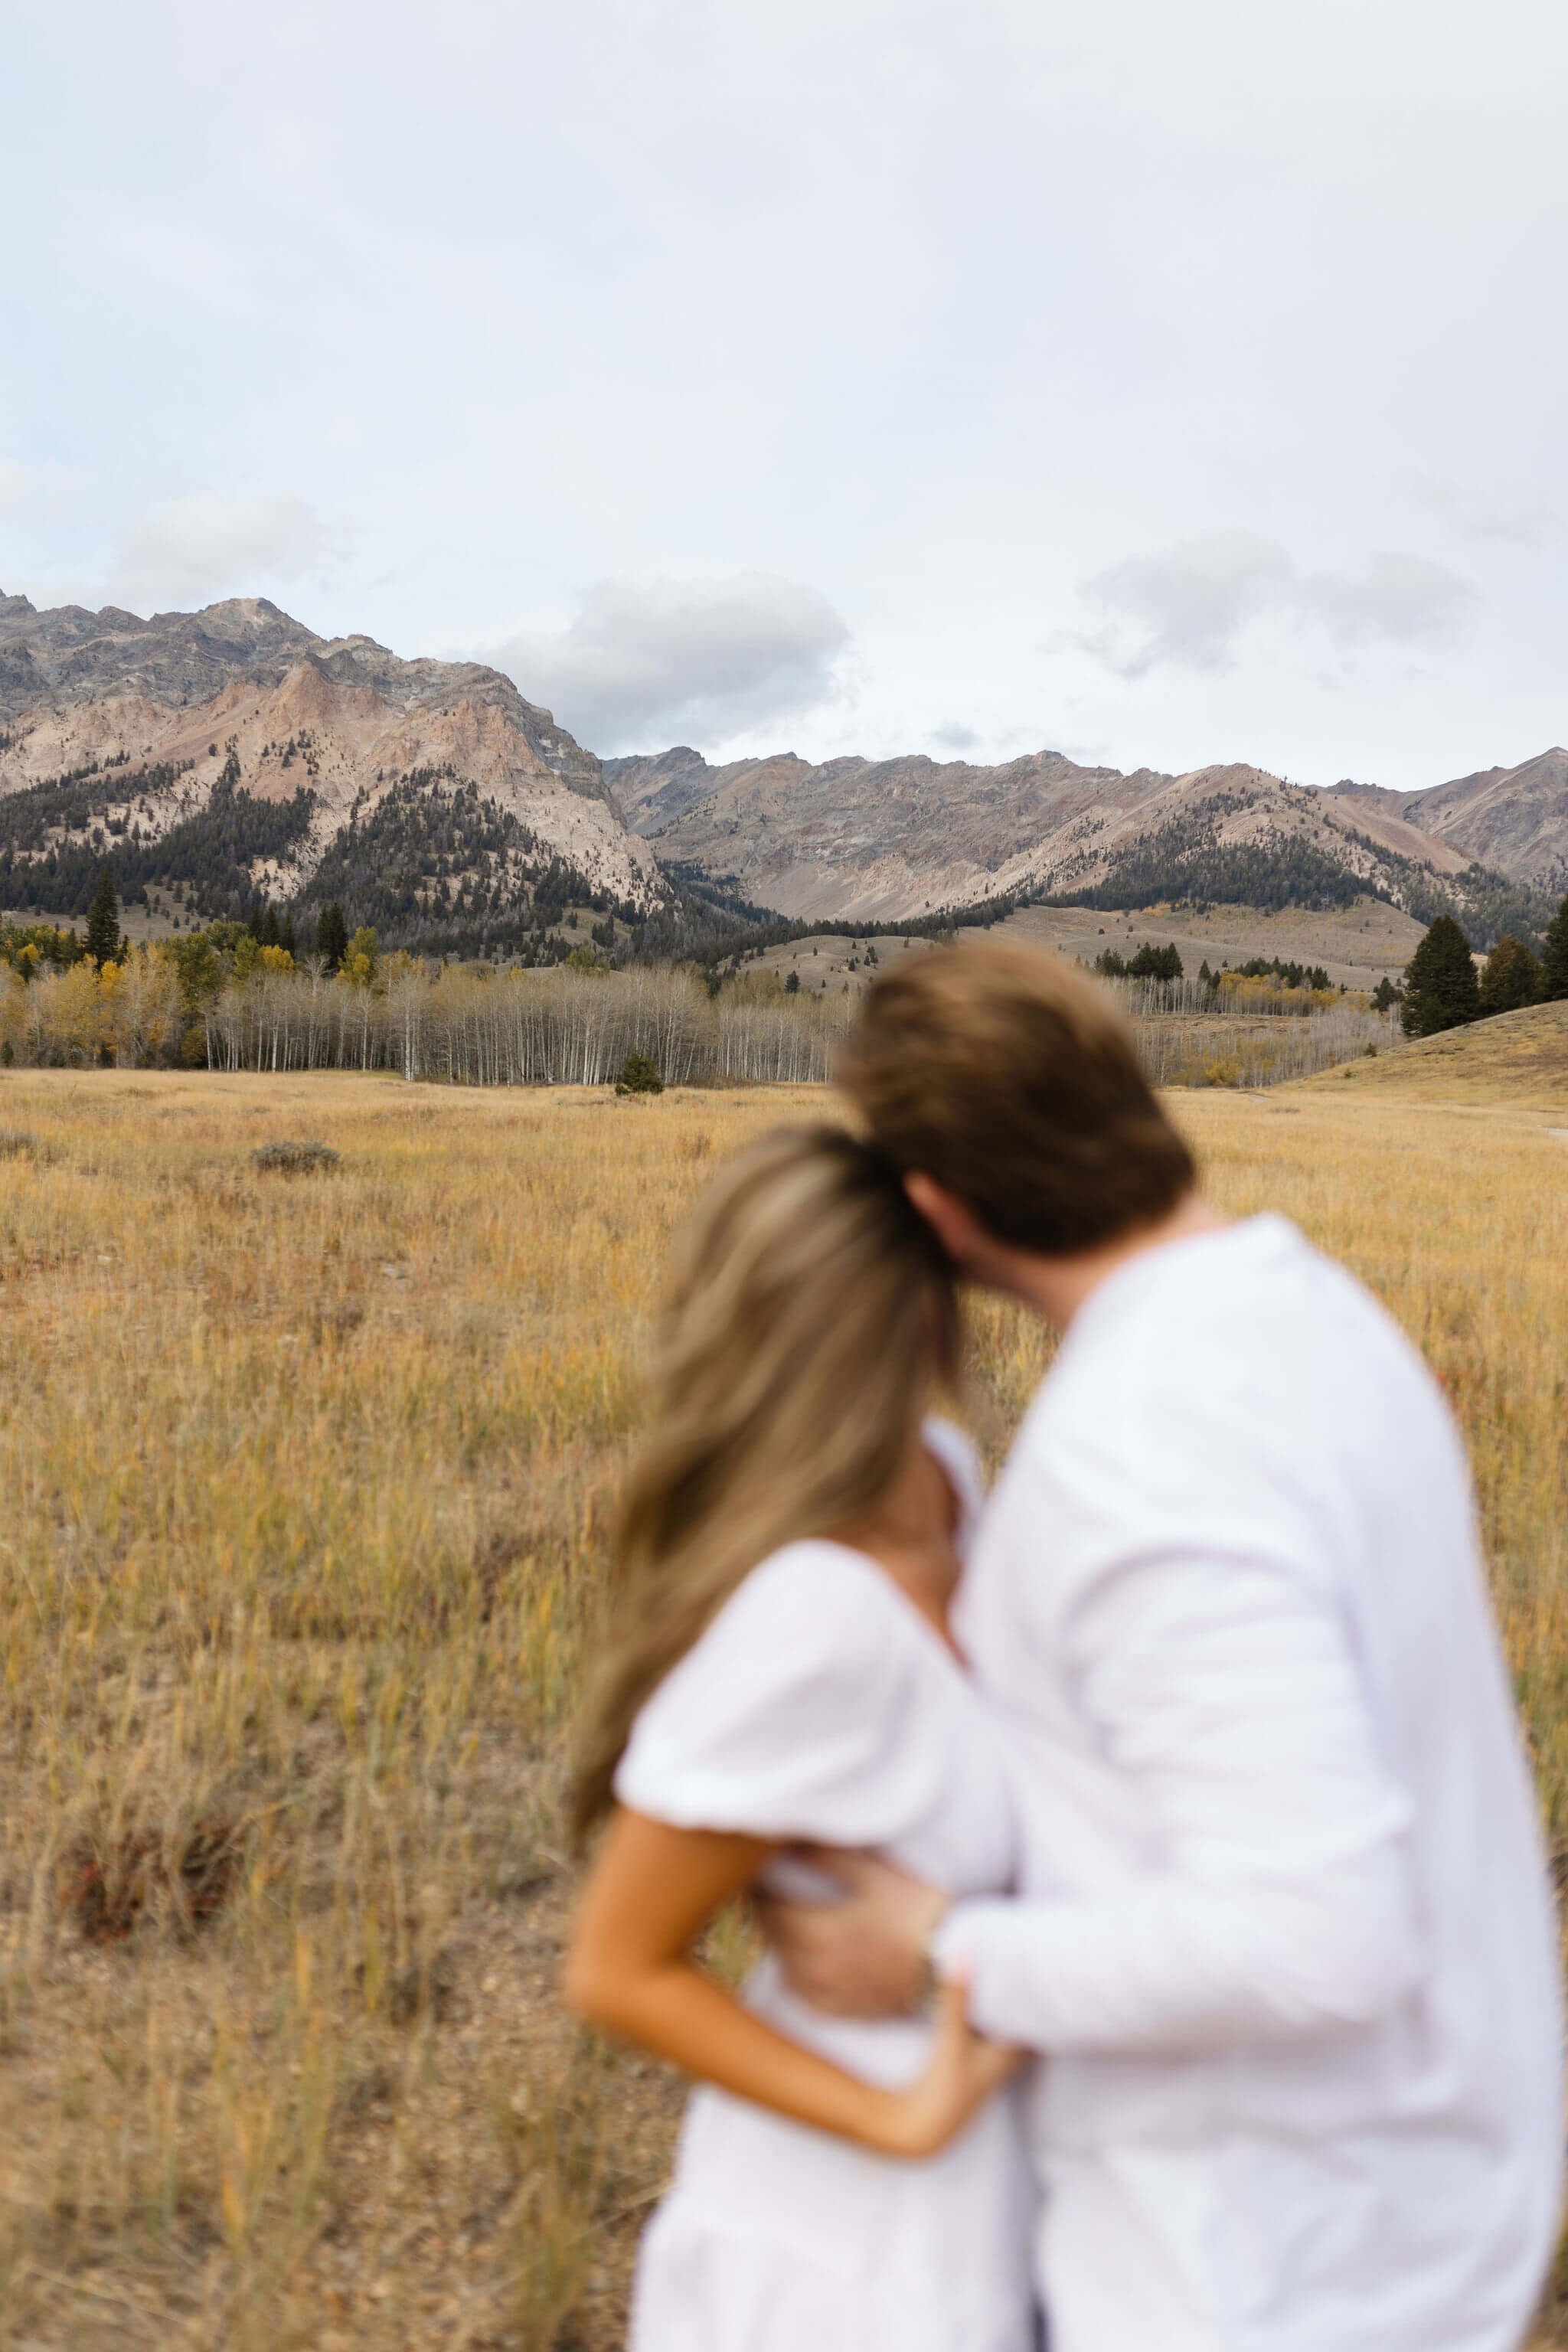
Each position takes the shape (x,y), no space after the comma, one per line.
(13,1018)
(360,962)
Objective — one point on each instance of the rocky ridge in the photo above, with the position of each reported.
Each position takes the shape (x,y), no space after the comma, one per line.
(1515,819)
(892,839)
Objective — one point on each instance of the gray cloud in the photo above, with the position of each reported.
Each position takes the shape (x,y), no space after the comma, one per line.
(1398,600)
(956,735)
(191,551)
(1530,522)
(1188,606)
(647,663)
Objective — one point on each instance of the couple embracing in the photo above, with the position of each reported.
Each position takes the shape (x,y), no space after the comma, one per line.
(1157,1930)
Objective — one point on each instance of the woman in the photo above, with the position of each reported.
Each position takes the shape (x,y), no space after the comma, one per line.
(781,1671)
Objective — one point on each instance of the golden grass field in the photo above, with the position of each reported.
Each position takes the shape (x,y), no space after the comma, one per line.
(304,1484)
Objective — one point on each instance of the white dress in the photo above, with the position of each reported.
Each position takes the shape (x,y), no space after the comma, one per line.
(820,1705)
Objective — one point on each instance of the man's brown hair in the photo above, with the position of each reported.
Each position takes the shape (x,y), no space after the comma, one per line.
(1009,1076)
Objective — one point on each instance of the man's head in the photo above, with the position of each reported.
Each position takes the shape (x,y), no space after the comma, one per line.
(1007,1080)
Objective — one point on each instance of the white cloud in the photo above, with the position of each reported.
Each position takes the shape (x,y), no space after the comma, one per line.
(645,663)
(1189,605)
(192,551)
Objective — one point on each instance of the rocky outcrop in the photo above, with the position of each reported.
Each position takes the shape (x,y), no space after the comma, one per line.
(652,792)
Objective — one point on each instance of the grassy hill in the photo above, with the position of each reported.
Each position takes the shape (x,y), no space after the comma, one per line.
(1516,1059)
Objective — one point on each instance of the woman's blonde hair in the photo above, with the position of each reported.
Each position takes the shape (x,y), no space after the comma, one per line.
(810,1316)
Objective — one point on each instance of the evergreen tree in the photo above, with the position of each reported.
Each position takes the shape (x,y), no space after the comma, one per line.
(332,935)
(1440,986)
(103,922)
(640,1075)
(1385,994)
(1510,979)
(1555,958)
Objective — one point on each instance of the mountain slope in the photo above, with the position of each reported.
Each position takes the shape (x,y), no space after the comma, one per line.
(1513,818)
(891,839)
(232,750)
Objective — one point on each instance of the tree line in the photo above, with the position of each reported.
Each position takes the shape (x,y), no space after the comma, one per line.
(234,996)
(1443,988)
(1275,984)
(256,996)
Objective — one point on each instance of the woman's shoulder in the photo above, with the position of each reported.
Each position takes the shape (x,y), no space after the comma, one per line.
(816,1592)
(813,1632)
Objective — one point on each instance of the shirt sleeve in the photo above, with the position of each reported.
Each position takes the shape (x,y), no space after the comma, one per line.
(1278,1902)
(793,1717)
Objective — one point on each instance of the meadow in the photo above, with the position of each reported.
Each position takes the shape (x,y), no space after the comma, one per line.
(305,1483)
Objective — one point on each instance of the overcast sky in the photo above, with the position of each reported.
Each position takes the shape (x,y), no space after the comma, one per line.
(1158,384)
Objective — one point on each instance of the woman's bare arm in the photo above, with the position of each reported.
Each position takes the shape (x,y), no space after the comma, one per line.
(652,1892)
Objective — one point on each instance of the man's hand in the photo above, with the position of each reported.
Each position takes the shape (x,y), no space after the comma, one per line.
(863,1957)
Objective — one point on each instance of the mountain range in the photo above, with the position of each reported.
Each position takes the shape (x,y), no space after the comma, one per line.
(868,840)
(216,756)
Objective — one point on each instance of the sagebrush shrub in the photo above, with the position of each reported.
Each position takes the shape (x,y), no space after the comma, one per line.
(294,1159)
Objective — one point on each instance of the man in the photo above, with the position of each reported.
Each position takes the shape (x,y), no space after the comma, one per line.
(1282,1930)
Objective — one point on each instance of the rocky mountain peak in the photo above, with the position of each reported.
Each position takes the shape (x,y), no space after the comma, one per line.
(174,710)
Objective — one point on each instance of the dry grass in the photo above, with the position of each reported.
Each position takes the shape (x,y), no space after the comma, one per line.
(1358,944)
(303,1487)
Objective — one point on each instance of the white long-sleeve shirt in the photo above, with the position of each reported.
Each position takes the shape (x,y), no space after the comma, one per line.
(1284,1930)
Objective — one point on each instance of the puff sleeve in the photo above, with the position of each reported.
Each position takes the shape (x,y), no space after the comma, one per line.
(795,1715)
